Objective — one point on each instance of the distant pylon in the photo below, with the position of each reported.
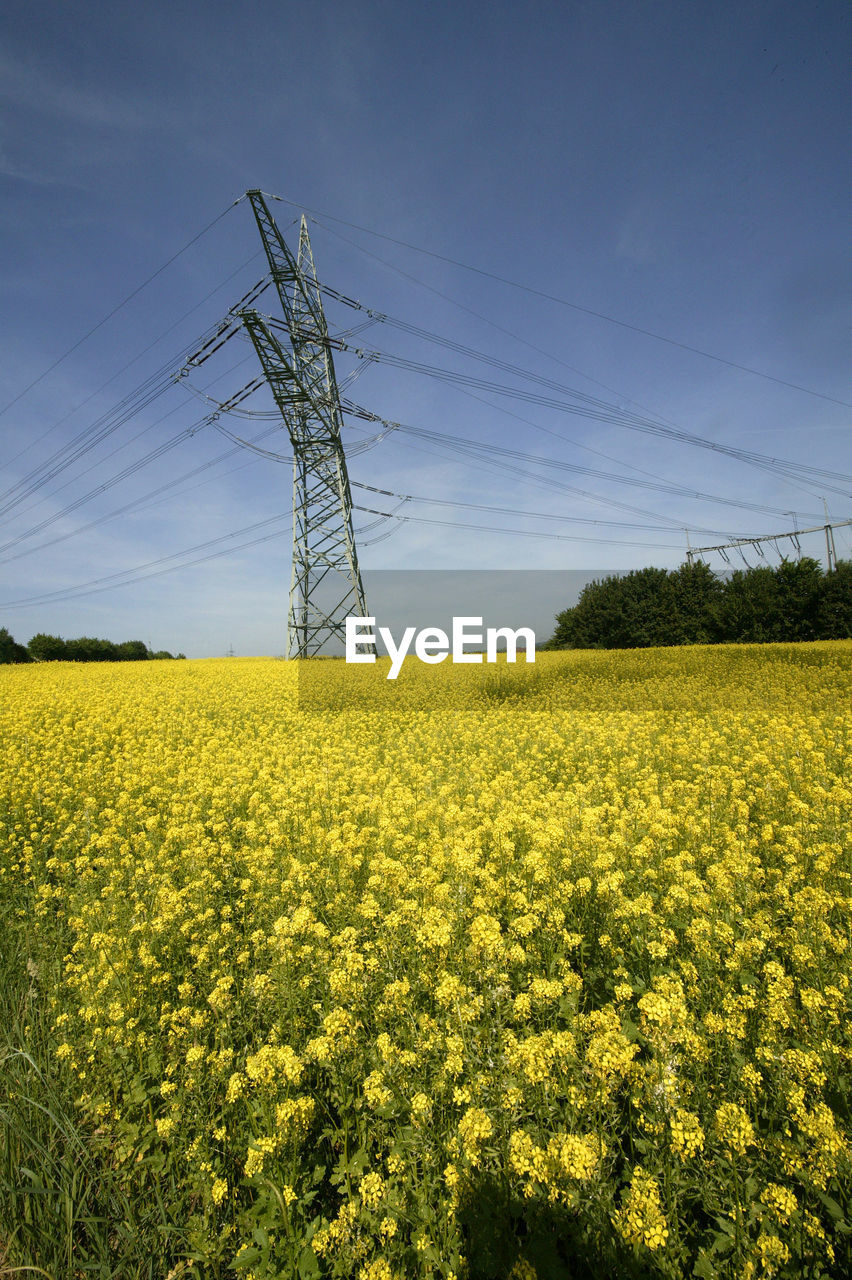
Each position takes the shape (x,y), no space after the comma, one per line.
(302,380)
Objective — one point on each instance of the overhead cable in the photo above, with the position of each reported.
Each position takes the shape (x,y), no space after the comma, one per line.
(111,579)
(160,336)
(565,302)
(112,420)
(464,445)
(527,533)
(124,474)
(589,410)
(118,307)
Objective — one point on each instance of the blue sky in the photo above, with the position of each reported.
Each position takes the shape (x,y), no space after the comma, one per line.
(680,168)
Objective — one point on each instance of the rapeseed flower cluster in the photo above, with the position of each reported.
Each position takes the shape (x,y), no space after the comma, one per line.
(388,971)
(641,1220)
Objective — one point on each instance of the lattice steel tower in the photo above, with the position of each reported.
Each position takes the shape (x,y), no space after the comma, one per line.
(301,377)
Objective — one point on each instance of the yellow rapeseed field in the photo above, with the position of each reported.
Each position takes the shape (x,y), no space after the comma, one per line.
(515,971)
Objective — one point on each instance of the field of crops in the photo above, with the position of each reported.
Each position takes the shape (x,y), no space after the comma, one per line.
(488,972)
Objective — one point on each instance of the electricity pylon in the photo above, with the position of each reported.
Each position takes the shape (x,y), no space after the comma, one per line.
(303,384)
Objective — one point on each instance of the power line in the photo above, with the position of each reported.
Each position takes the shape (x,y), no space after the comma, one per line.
(139,573)
(128,407)
(142,572)
(547,482)
(515,511)
(110,580)
(653,484)
(792,534)
(600,412)
(219,335)
(516,337)
(130,469)
(458,444)
(117,308)
(361,447)
(597,408)
(565,302)
(468,446)
(114,418)
(577,402)
(135,505)
(232,405)
(474,506)
(508,333)
(163,334)
(526,533)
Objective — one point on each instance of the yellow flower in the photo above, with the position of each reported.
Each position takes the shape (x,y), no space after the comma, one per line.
(641,1220)
(475,1128)
(372,1190)
(780,1201)
(274,1063)
(774,1253)
(378,1270)
(733,1128)
(257,1155)
(376,1091)
(687,1134)
(406,890)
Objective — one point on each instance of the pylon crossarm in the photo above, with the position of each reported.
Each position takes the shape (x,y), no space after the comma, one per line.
(285,271)
(286,391)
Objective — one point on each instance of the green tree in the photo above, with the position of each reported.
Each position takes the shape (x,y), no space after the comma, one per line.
(748,611)
(590,619)
(690,605)
(770,604)
(799,585)
(133,651)
(834,609)
(632,611)
(45,648)
(90,649)
(694,591)
(10,650)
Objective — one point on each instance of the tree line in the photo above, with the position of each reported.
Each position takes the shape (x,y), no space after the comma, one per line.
(44,648)
(691,605)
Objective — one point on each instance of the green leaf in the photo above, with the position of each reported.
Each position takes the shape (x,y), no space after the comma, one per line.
(722,1243)
(832,1206)
(246,1258)
(359,1162)
(138,1092)
(308,1264)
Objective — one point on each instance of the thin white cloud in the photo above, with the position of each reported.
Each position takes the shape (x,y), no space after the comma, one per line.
(25,85)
